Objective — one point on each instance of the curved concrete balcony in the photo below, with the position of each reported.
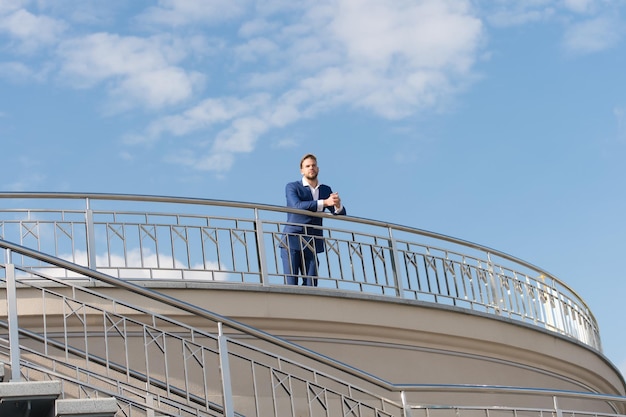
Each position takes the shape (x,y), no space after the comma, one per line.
(133,290)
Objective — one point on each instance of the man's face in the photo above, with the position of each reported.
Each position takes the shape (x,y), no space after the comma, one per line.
(309,169)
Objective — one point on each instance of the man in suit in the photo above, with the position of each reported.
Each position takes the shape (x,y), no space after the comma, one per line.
(303,236)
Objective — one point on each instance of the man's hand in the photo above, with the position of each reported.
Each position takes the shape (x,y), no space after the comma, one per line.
(333,201)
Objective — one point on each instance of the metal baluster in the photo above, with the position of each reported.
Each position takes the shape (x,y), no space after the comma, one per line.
(91,238)
(394,265)
(258,225)
(14,340)
(227,390)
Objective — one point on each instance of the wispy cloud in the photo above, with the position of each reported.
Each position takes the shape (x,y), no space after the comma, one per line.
(285,143)
(138,264)
(19,72)
(138,71)
(184,12)
(593,35)
(505,13)
(25,181)
(219,77)
(579,6)
(388,60)
(27,31)
(588,25)
(207,114)
(28,177)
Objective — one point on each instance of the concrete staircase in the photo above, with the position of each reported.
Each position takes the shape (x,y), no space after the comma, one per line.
(41,399)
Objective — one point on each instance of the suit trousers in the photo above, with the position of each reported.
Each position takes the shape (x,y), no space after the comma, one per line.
(299,262)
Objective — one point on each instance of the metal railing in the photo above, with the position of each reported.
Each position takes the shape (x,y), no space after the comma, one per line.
(89,339)
(167,238)
(98,345)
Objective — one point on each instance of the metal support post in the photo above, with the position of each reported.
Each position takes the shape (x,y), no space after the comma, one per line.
(227,390)
(559,412)
(406,409)
(498,301)
(91,238)
(258,225)
(14,339)
(397,275)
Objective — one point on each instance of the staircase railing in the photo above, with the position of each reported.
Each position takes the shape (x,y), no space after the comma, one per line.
(174,362)
(187,371)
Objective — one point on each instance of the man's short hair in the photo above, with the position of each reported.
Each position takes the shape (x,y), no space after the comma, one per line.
(307,156)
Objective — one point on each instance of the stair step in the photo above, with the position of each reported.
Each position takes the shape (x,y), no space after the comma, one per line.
(36,398)
(90,407)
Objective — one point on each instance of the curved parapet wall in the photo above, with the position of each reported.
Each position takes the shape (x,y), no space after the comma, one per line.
(164,352)
(163,238)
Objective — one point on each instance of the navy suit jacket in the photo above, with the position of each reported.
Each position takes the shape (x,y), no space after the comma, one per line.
(300,197)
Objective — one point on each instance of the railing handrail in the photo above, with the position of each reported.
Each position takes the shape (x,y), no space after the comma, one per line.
(195,310)
(326,360)
(283,209)
(489,297)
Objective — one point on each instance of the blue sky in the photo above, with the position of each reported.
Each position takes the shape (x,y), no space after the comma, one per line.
(498,122)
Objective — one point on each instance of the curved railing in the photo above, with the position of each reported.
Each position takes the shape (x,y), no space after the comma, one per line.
(169,238)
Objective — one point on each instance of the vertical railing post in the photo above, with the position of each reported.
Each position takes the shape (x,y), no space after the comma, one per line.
(395,264)
(406,408)
(14,339)
(227,390)
(258,226)
(91,238)
(557,409)
(493,286)
(564,324)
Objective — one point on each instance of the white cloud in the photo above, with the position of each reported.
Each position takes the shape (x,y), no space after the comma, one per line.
(27,176)
(26,181)
(140,71)
(579,6)
(291,61)
(183,12)
(127,156)
(140,264)
(505,14)
(256,27)
(275,62)
(392,59)
(267,80)
(255,49)
(17,71)
(8,6)
(159,87)
(241,136)
(593,35)
(205,115)
(102,55)
(30,31)
(430,34)
(238,129)
(285,143)
(203,162)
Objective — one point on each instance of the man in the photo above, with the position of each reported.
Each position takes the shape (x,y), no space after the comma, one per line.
(303,234)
